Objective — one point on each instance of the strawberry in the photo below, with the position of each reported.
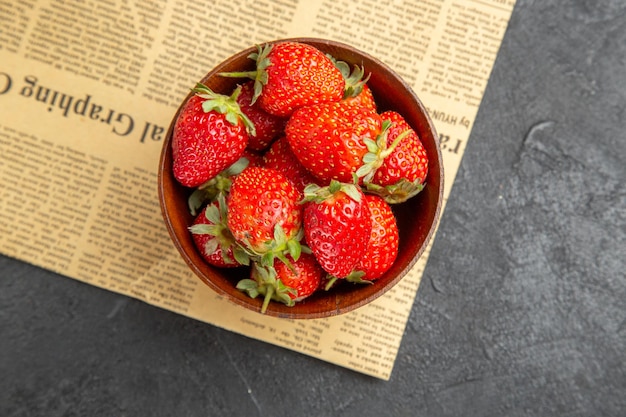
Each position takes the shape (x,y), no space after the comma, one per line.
(267,126)
(281,158)
(382,247)
(210,134)
(288,283)
(211,236)
(337,226)
(290,75)
(364,97)
(264,213)
(303,275)
(397,162)
(220,184)
(329,139)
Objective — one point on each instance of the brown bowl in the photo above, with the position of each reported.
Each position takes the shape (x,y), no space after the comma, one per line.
(417,218)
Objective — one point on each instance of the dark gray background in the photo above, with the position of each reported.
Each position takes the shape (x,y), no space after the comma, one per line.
(521,311)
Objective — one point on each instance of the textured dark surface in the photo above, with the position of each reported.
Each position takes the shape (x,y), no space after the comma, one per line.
(522,307)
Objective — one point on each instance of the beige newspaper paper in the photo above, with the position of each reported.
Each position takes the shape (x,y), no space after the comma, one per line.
(88,89)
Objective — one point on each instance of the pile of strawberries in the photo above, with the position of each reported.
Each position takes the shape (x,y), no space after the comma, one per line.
(295,173)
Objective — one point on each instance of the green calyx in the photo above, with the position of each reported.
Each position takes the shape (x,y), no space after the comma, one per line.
(264,279)
(226,105)
(378,151)
(218,185)
(355,79)
(279,247)
(355,277)
(315,193)
(396,193)
(221,237)
(266,283)
(259,76)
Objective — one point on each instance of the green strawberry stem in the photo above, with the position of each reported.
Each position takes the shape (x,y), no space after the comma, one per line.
(268,297)
(332,280)
(386,152)
(378,151)
(240,74)
(259,76)
(226,105)
(265,282)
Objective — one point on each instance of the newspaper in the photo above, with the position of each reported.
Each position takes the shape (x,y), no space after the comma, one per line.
(88,89)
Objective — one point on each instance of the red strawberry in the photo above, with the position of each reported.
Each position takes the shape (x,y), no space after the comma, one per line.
(400,163)
(382,247)
(337,226)
(268,127)
(363,98)
(290,75)
(264,213)
(288,283)
(281,158)
(303,275)
(330,139)
(213,239)
(209,135)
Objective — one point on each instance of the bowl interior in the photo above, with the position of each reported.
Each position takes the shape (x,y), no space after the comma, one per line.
(416,218)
